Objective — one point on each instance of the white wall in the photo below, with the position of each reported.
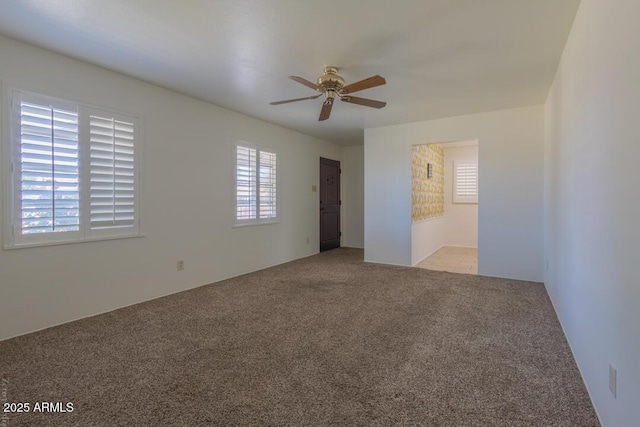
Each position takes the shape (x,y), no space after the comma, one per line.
(592,203)
(461,225)
(427,236)
(511,188)
(187,200)
(353,196)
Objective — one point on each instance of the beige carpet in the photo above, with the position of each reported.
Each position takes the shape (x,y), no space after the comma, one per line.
(326,340)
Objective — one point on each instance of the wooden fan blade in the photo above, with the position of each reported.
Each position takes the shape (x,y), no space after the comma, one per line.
(372,81)
(286,101)
(326,110)
(364,101)
(306,83)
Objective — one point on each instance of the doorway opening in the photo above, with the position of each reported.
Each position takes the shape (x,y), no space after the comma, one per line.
(329,204)
(444,206)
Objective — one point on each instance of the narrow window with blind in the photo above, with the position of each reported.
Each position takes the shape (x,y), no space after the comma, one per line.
(256,184)
(465,182)
(73,172)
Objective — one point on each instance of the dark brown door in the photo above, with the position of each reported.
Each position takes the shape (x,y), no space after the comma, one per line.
(329,204)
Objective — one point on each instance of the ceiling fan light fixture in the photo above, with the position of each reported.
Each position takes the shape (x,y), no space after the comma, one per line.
(330,95)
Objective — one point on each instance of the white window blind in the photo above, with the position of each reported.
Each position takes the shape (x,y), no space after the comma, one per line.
(256,184)
(73,172)
(112,173)
(49,169)
(465,182)
(246,179)
(268,185)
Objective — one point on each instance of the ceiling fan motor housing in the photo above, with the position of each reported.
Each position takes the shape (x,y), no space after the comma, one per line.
(330,81)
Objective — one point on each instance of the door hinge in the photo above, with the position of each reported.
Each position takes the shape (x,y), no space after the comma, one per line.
(340,234)
(339,170)
(340,202)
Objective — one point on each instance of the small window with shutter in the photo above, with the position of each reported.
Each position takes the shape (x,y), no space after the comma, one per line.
(465,182)
(73,172)
(256,184)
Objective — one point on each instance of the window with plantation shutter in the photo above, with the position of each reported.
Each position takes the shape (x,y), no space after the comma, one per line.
(256,184)
(465,182)
(72,171)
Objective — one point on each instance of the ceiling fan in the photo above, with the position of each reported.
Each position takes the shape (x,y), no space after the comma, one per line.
(331,85)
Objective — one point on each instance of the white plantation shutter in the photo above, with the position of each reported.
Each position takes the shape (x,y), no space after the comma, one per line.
(73,172)
(48,168)
(465,182)
(268,185)
(246,178)
(111,173)
(256,184)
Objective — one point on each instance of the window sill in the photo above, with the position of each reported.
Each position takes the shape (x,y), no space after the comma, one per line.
(68,242)
(251,224)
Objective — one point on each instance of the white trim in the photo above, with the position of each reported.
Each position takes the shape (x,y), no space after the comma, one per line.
(251,223)
(70,242)
(7,167)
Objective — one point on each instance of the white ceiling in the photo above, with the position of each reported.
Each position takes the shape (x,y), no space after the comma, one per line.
(440,57)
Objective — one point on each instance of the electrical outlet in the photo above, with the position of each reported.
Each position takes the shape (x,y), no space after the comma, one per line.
(180,264)
(613,374)
(314,188)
